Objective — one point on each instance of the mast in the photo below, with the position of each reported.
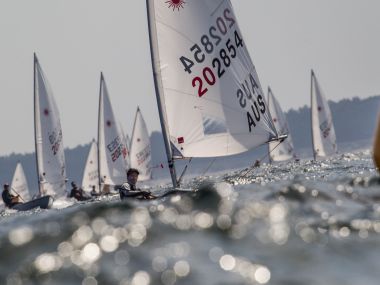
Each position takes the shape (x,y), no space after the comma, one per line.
(269,158)
(35,62)
(158,89)
(99,123)
(134,123)
(311,113)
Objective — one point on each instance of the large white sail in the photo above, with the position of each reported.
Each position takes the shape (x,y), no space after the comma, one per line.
(140,148)
(284,150)
(48,137)
(112,150)
(209,96)
(323,133)
(19,184)
(91,172)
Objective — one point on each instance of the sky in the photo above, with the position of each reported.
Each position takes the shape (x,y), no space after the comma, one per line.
(77,39)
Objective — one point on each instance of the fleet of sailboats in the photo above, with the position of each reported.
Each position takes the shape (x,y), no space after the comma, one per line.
(210,104)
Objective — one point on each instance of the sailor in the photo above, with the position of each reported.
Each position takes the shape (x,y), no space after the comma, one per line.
(129,189)
(93,192)
(78,193)
(106,187)
(9,199)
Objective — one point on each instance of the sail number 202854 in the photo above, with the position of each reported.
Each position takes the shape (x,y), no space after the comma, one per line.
(208,44)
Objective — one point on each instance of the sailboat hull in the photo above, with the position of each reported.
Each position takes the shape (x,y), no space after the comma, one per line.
(44,203)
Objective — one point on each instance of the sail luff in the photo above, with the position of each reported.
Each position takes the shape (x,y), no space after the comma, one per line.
(158,89)
(99,127)
(269,106)
(36,119)
(311,113)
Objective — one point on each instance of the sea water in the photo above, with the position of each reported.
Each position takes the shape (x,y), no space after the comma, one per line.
(289,223)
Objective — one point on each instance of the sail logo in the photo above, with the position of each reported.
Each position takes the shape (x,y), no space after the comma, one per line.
(325,128)
(175,4)
(116,148)
(143,155)
(55,141)
(250,99)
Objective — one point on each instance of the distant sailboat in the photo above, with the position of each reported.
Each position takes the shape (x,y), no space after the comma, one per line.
(209,97)
(91,172)
(141,157)
(284,150)
(111,146)
(323,133)
(19,184)
(50,156)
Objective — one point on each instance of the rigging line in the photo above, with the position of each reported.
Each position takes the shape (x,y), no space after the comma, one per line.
(241,175)
(184,171)
(17,193)
(208,167)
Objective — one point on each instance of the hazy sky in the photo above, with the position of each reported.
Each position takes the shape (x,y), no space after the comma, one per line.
(76,39)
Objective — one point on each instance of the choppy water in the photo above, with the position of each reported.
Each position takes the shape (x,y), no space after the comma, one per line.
(290,223)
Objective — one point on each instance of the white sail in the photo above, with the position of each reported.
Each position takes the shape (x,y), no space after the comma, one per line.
(91,172)
(19,184)
(209,96)
(323,133)
(48,137)
(140,148)
(127,157)
(284,150)
(112,150)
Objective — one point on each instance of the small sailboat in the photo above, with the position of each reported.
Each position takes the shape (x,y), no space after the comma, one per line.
(323,132)
(284,150)
(111,146)
(208,93)
(91,172)
(19,183)
(50,158)
(141,157)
